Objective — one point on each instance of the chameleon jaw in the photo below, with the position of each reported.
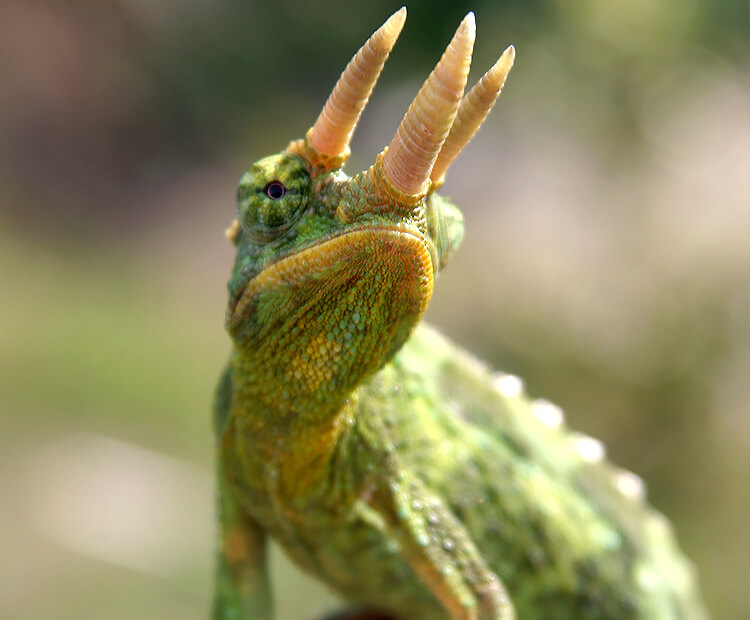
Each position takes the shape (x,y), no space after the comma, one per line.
(351,244)
(316,322)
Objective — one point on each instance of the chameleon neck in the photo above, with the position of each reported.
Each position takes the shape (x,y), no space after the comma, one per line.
(291,444)
(272,397)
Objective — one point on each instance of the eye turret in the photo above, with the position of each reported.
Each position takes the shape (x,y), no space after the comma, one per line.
(272,195)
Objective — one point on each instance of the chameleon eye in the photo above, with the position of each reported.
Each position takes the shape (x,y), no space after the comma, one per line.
(272,195)
(275,190)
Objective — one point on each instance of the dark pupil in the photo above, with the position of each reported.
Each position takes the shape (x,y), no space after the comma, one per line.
(275,190)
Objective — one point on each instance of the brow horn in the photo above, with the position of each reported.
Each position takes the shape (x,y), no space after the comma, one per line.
(472,111)
(407,162)
(332,131)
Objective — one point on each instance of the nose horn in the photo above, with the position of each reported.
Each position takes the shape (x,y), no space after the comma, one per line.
(408,160)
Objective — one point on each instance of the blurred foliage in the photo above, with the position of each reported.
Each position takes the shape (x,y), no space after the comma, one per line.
(606,261)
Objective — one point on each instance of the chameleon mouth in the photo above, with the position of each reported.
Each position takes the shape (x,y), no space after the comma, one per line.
(390,259)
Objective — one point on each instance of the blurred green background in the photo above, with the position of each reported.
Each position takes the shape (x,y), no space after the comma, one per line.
(606,260)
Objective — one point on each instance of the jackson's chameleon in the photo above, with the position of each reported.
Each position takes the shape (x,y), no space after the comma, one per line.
(386,461)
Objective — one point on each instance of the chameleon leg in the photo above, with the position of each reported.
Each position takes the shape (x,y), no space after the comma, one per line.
(440,550)
(242,589)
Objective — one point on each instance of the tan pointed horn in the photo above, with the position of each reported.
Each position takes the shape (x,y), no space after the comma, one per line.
(472,111)
(409,159)
(331,133)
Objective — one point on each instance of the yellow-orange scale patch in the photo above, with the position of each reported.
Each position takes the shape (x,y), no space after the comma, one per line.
(336,311)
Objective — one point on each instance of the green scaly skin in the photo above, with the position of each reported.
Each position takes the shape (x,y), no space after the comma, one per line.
(386,461)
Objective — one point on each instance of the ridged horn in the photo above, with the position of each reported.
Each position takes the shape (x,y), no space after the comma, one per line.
(409,159)
(472,111)
(332,131)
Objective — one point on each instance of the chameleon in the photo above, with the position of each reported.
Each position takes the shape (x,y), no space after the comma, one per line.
(385,460)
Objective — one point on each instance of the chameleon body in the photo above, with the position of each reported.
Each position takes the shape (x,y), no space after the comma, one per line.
(386,461)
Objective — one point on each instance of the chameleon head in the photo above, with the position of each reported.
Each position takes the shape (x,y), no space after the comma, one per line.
(333,272)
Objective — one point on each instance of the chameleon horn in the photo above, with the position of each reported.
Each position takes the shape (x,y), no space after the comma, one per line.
(331,133)
(472,111)
(407,162)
